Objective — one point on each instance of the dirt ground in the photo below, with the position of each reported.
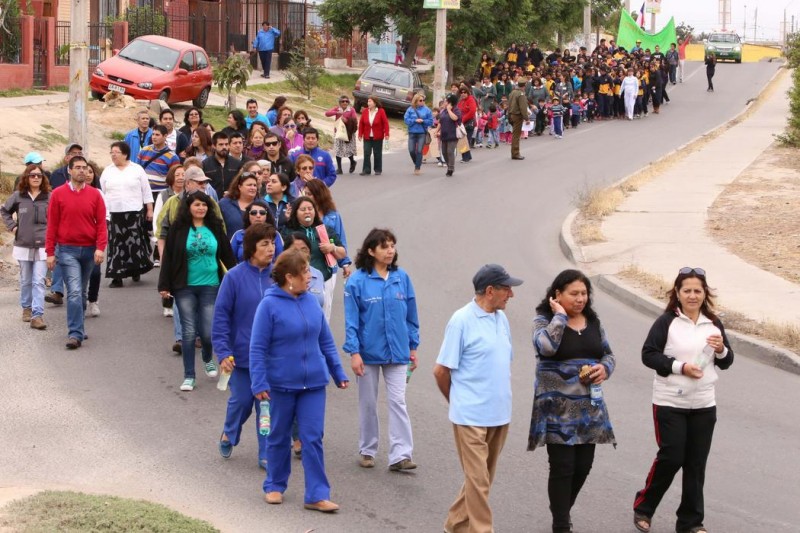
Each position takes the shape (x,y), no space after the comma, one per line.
(757,217)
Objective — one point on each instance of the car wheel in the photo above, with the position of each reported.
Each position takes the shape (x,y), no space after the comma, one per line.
(96,95)
(202,98)
(163,95)
(739,60)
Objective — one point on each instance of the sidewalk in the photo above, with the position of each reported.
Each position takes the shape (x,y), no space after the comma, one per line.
(661,227)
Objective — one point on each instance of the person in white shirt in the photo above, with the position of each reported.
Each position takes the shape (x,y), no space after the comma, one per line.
(130,202)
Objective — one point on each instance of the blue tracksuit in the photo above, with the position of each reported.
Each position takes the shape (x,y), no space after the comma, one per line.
(323,165)
(380,316)
(132,140)
(237,245)
(241,291)
(293,356)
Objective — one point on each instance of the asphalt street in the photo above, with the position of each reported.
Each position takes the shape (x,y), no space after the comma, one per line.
(109,417)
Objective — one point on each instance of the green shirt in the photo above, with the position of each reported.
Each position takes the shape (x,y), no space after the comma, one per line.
(201,254)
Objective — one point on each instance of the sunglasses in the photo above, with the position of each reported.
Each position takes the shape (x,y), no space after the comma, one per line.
(344,101)
(272,143)
(290,126)
(688,270)
(252,174)
(306,167)
(36,175)
(259,212)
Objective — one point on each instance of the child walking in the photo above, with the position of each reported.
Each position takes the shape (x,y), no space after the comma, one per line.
(557,112)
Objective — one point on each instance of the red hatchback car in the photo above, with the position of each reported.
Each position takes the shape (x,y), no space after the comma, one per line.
(153,67)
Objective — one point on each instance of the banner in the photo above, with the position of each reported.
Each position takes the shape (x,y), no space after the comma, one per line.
(441,4)
(629,32)
(653,6)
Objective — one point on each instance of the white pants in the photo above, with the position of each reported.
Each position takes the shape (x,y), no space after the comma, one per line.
(681,65)
(401,442)
(630,103)
(329,287)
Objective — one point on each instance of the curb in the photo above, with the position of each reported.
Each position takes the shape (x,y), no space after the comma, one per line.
(742,344)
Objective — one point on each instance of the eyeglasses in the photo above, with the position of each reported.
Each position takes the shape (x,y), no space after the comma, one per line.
(306,167)
(291,126)
(272,143)
(36,175)
(259,212)
(688,270)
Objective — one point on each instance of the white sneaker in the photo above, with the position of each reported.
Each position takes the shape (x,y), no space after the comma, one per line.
(94,308)
(166,311)
(156,263)
(439,164)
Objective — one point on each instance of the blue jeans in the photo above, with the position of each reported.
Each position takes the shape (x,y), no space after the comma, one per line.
(196,304)
(416,142)
(240,406)
(76,263)
(176,323)
(31,286)
(493,138)
(266,60)
(57,278)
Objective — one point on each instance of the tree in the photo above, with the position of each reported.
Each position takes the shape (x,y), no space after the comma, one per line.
(10,32)
(791,137)
(684,30)
(232,76)
(302,73)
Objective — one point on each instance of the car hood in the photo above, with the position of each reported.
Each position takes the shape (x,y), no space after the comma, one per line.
(118,67)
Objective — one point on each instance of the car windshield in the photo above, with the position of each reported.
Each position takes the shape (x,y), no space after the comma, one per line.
(150,55)
(723,38)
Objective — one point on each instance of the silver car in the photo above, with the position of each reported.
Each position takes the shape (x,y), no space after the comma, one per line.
(393,85)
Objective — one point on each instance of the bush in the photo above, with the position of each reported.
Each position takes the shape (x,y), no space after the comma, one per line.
(145,21)
(10,33)
(791,137)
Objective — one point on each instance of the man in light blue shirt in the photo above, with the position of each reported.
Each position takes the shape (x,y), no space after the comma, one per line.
(264,43)
(254,116)
(473,372)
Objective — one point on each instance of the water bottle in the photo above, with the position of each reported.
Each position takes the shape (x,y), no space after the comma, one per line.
(408,372)
(224,378)
(263,418)
(596,394)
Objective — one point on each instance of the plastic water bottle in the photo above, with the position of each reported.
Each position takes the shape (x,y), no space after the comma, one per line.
(224,378)
(263,419)
(408,372)
(596,394)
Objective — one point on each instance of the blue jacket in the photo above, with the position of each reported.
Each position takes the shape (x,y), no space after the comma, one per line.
(380,317)
(132,140)
(237,245)
(241,291)
(232,215)
(323,164)
(413,114)
(334,220)
(265,39)
(291,346)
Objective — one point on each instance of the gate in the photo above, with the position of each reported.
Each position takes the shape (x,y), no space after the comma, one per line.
(40,53)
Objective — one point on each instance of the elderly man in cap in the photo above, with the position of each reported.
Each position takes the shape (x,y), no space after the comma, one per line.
(473,372)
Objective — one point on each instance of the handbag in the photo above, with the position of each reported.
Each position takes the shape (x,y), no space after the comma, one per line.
(461,131)
(427,133)
(341,130)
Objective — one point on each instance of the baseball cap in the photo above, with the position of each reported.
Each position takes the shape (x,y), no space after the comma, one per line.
(492,275)
(70,146)
(33,158)
(196,174)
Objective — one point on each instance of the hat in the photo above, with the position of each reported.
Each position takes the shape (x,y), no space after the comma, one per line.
(70,146)
(33,158)
(263,163)
(491,275)
(195,174)
(638,40)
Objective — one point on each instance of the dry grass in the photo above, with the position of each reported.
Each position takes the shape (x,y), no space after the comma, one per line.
(784,335)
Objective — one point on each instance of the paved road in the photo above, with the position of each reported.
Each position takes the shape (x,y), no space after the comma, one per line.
(110,418)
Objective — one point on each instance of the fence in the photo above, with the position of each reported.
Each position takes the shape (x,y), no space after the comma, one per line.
(11,41)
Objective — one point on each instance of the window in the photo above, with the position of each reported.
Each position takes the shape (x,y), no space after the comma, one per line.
(402,78)
(381,74)
(187,61)
(202,60)
(150,54)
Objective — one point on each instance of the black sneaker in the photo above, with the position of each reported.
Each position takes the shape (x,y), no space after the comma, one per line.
(116,283)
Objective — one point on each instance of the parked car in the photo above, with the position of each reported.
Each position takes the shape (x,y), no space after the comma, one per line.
(154,67)
(394,85)
(724,46)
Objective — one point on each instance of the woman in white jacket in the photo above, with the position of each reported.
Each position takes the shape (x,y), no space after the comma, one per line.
(629,90)
(685,347)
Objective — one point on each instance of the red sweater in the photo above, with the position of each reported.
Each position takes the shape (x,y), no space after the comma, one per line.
(468,108)
(380,125)
(76,218)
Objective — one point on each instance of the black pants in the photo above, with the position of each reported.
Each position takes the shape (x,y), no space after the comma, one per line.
(373,147)
(569,468)
(266,60)
(710,76)
(94,284)
(684,441)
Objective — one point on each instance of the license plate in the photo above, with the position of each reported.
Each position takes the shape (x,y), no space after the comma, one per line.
(381,90)
(116,88)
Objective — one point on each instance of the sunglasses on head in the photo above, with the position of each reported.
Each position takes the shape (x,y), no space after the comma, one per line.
(252,174)
(688,270)
(272,143)
(259,212)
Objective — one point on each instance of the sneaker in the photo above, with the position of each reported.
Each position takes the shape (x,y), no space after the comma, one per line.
(156,263)
(211,369)
(166,311)
(187,385)
(439,164)
(225,448)
(116,283)
(417,172)
(94,308)
(405,464)
(366,461)
(54,298)
(37,322)
(26,314)
(177,347)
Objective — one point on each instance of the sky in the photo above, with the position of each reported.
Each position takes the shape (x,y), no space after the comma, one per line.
(704,15)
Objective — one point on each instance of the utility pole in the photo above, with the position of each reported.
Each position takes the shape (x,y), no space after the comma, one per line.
(785,33)
(653,23)
(78,73)
(744,33)
(587,25)
(440,56)
(755,26)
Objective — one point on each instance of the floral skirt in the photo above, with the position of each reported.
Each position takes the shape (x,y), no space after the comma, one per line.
(563,412)
(345,148)
(129,246)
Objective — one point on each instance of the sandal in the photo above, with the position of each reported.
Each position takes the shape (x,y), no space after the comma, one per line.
(641,522)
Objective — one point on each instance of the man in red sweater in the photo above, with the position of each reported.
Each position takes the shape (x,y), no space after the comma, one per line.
(76,239)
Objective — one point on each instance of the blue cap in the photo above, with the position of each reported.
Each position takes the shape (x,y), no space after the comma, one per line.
(34,158)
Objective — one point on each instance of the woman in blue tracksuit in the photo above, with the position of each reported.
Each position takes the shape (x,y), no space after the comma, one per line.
(418,118)
(292,358)
(241,291)
(381,334)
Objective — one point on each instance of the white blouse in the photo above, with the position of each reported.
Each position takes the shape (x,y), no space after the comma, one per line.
(127,189)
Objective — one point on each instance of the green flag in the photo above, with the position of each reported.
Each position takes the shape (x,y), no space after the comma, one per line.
(629,32)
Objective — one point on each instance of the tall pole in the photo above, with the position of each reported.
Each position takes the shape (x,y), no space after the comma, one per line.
(78,73)
(653,23)
(587,25)
(744,32)
(440,56)
(785,33)
(755,26)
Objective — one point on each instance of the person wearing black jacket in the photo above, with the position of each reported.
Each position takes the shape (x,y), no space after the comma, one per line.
(685,346)
(196,256)
(221,168)
(535,55)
